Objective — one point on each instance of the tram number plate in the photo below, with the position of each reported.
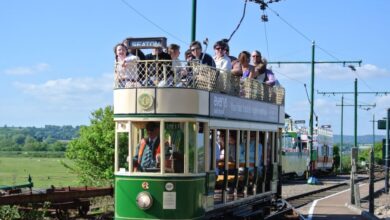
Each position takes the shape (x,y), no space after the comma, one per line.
(169,200)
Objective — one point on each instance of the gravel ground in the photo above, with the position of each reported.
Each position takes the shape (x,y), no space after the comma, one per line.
(382,206)
(296,187)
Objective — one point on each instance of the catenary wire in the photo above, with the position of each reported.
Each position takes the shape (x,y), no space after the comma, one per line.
(153,23)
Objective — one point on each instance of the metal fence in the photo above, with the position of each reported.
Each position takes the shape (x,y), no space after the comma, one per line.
(168,73)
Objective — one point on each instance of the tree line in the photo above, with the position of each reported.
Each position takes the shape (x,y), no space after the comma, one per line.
(48,138)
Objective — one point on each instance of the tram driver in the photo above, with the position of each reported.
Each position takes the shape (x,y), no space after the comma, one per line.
(148,150)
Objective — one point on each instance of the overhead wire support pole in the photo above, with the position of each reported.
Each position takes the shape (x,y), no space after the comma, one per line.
(311,120)
(354,156)
(342,132)
(193,24)
(312,111)
(387,152)
(371,185)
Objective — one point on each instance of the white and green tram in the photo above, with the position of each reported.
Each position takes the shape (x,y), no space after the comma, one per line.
(219,153)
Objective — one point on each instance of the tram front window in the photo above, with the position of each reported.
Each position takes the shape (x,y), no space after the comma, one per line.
(148,150)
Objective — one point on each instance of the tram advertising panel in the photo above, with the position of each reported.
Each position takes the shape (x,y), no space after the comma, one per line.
(237,108)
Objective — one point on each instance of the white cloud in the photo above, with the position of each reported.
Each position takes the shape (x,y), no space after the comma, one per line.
(38,68)
(69,90)
(382,104)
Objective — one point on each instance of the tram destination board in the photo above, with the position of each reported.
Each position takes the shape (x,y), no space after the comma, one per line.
(147,42)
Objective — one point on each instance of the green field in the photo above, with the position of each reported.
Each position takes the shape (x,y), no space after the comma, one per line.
(44,172)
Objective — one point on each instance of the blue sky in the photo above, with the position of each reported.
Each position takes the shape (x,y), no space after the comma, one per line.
(56,64)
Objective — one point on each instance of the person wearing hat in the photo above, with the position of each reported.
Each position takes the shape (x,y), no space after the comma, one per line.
(148,150)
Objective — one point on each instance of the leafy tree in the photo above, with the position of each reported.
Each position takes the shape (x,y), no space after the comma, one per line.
(19,139)
(93,151)
(57,146)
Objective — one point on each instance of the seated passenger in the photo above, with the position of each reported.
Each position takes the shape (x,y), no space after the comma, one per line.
(126,71)
(262,74)
(148,151)
(241,66)
(178,68)
(270,78)
(156,69)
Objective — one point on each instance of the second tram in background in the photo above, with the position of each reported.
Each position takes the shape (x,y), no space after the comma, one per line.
(296,149)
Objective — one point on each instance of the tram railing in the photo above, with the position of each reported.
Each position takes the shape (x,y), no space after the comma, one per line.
(168,73)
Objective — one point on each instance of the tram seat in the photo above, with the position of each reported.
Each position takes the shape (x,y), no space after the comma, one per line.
(174,163)
(231,172)
(220,179)
(232,165)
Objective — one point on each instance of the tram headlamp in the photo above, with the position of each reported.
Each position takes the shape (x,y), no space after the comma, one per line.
(144,200)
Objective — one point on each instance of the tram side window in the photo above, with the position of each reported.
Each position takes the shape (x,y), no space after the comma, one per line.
(174,146)
(123,150)
(200,148)
(196,154)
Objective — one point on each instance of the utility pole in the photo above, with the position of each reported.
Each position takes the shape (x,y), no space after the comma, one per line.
(193,25)
(355,105)
(342,132)
(387,152)
(371,186)
(311,164)
(355,157)
(342,125)
(355,150)
(312,180)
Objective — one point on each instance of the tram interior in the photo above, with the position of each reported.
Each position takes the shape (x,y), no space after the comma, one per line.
(184,147)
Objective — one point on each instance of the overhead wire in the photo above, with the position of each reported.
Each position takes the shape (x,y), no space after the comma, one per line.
(153,23)
(322,49)
(266,37)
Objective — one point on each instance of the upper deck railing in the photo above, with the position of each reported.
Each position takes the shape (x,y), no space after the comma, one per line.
(168,73)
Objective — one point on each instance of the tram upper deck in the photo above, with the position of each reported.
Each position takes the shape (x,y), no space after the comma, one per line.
(161,87)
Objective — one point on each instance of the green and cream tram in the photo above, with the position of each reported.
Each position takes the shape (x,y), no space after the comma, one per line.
(209,125)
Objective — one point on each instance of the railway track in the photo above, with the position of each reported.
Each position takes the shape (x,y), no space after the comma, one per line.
(306,198)
(300,200)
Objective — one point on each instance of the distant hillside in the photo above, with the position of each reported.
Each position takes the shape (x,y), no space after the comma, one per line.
(363,139)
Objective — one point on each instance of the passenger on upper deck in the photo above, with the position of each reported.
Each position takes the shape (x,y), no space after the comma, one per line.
(125,67)
(227,50)
(158,54)
(204,58)
(241,66)
(177,65)
(222,61)
(155,69)
(263,74)
(270,78)
(148,151)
